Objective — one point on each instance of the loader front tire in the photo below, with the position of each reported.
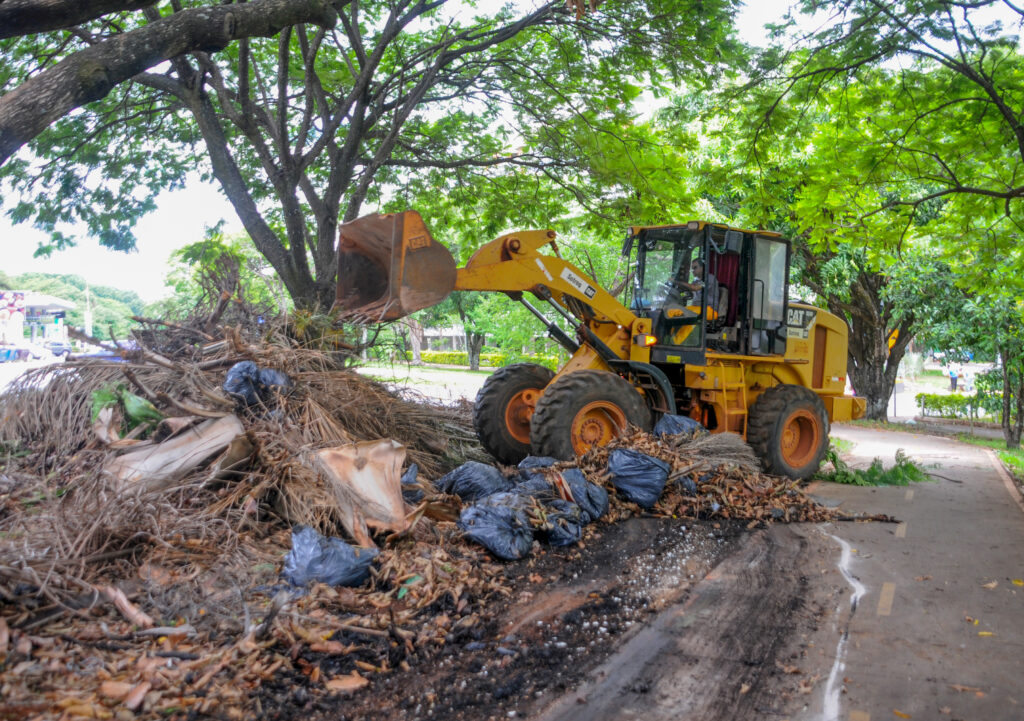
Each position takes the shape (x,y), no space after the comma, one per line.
(788,431)
(503,407)
(584,409)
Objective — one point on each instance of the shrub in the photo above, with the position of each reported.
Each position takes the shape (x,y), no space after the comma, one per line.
(955,405)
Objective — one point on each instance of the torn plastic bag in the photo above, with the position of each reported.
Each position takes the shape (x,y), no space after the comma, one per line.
(412,492)
(500,523)
(564,523)
(671,425)
(592,499)
(473,480)
(315,557)
(637,476)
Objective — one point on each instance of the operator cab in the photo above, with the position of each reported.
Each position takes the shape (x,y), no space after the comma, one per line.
(709,287)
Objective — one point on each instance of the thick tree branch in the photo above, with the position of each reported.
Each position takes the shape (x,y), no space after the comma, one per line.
(90,74)
(27,17)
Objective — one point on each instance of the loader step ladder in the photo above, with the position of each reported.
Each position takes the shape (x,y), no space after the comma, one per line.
(735,387)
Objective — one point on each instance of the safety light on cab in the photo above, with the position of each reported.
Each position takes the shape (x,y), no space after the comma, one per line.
(645,340)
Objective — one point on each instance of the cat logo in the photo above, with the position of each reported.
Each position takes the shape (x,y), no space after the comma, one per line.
(800,321)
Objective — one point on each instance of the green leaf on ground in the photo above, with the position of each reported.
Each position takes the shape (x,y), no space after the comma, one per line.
(902,473)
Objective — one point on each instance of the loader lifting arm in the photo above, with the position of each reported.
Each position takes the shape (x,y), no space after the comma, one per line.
(390,266)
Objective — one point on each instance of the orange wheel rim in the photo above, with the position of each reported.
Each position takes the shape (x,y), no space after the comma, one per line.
(597,424)
(518,413)
(801,436)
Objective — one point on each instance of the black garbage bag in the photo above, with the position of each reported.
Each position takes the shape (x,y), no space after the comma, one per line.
(637,476)
(500,524)
(315,557)
(670,425)
(537,486)
(564,523)
(474,480)
(531,462)
(241,381)
(411,490)
(591,498)
(249,384)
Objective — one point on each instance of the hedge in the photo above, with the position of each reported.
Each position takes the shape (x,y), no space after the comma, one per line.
(945,406)
(958,406)
(487,360)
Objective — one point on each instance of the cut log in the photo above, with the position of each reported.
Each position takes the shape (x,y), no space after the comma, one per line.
(157,467)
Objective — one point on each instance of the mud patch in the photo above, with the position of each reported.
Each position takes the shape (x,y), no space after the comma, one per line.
(567,612)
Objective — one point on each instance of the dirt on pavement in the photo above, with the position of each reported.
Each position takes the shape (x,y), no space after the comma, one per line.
(567,612)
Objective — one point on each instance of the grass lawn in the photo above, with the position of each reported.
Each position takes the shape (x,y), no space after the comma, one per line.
(1013,459)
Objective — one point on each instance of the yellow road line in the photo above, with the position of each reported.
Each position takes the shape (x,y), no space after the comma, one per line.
(901,530)
(910,495)
(860,716)
(885,599)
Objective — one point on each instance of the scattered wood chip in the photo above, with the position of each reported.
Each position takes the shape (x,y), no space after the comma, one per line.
(351,682)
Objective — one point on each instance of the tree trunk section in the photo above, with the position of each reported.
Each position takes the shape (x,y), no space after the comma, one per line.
(415,340)
(474,344)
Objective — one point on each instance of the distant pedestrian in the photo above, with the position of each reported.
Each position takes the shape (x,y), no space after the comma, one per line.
(953,374)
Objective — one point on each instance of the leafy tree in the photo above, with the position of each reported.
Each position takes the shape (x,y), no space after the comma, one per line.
(877,304)
(314,126)
(993,323)
(202,273)
(922,91)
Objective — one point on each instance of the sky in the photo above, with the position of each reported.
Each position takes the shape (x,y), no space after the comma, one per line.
(182,217)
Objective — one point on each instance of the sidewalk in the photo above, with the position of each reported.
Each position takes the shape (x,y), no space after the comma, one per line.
(937,633)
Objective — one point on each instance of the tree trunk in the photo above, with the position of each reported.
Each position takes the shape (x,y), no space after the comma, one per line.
(416,340)
(1013,399)
(873,366)
(474,344)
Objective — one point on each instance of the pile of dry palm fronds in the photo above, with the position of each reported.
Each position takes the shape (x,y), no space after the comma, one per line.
(65,524)
(172,594)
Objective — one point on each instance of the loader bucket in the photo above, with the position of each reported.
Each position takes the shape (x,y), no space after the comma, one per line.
(389,266)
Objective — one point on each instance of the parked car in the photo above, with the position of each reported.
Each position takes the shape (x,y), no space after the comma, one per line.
(59,347)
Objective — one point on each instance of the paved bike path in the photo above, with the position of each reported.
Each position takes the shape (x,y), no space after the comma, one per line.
(938,632)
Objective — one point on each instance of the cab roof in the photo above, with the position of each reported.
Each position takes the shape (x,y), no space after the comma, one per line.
(700,225)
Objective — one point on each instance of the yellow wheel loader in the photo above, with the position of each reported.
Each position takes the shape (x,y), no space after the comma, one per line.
(708,332)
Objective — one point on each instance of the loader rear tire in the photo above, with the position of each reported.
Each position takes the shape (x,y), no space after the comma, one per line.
(503,407)
(788,431)
(584,409)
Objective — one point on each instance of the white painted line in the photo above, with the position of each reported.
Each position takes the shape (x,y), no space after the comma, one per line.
(901,530)
(910,495)
(834,688)
(1011,487)
(885,599)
